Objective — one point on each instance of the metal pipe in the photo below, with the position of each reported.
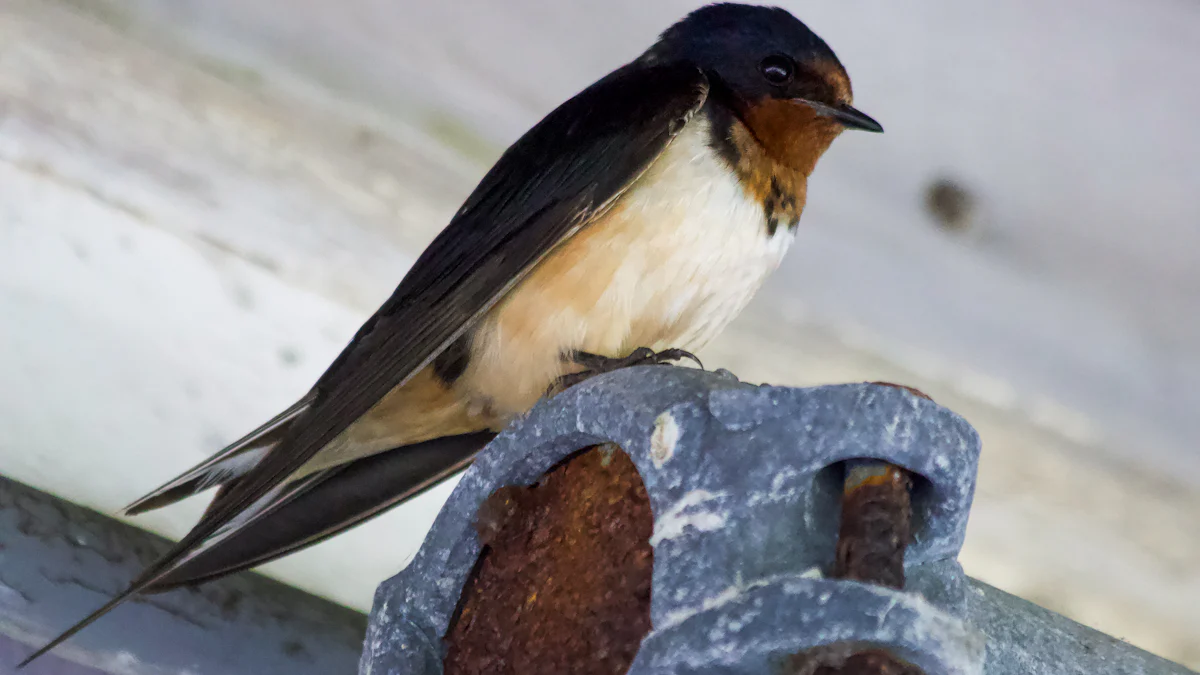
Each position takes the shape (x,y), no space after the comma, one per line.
(58,561)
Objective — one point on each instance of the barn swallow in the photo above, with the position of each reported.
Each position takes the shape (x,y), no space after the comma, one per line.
(639,217)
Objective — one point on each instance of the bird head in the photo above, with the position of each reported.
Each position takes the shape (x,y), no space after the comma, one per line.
(781,79)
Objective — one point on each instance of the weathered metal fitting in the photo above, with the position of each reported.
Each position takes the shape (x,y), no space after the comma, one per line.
(745,483)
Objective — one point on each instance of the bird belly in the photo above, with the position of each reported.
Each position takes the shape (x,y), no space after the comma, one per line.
(669,265)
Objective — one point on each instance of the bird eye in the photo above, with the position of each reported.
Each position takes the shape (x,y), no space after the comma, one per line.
(778,69)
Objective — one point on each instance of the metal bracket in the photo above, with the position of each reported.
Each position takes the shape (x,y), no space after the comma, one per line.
(746,486)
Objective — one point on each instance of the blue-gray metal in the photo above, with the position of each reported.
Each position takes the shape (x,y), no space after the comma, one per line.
(745,487)
(59,561)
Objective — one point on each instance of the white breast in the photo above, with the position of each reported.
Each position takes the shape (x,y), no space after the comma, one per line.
(708,252)
(676,259)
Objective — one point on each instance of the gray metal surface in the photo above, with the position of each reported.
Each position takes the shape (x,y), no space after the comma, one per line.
(59,561)
(744,485)
(1024,639)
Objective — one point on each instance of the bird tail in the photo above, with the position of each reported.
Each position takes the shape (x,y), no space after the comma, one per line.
(232,462)
(327,503)
(299,514)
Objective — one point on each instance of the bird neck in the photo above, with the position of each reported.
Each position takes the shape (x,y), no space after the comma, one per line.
(772,151)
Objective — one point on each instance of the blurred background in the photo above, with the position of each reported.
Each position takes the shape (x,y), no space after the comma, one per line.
(201,200)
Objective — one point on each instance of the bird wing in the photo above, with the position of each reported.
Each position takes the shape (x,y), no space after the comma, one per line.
(562,174)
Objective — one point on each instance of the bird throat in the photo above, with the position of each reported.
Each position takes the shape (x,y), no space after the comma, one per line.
(772,147)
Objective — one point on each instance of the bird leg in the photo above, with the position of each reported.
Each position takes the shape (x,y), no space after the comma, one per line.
(596,364)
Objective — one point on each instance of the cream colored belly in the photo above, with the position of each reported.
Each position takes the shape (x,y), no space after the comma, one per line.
(676,259)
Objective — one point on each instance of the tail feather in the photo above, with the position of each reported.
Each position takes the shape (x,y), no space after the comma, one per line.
(231,462)
(298,515)
(327,504)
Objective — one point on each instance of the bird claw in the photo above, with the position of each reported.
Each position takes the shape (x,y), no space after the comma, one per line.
(595,364)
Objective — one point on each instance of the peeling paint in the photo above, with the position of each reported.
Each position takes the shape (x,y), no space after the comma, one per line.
(674,522)
(663,439)
(723,598)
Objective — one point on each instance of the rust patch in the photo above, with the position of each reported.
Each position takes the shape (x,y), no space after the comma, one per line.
(563,585)
(912,390)
(876,525)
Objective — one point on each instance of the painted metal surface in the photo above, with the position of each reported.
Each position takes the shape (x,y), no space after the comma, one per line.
(59,561)
(742,548)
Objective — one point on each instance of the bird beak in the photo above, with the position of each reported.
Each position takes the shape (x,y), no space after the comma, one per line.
(849,117)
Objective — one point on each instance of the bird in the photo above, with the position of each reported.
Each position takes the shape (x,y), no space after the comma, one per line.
(629,226)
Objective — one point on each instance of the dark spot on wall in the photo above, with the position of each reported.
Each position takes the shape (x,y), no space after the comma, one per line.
(229,604)
(243,297)
(951,205)
(365,138)
(295,649)
(289,356)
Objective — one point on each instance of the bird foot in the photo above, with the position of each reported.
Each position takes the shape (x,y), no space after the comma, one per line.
(595,364)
